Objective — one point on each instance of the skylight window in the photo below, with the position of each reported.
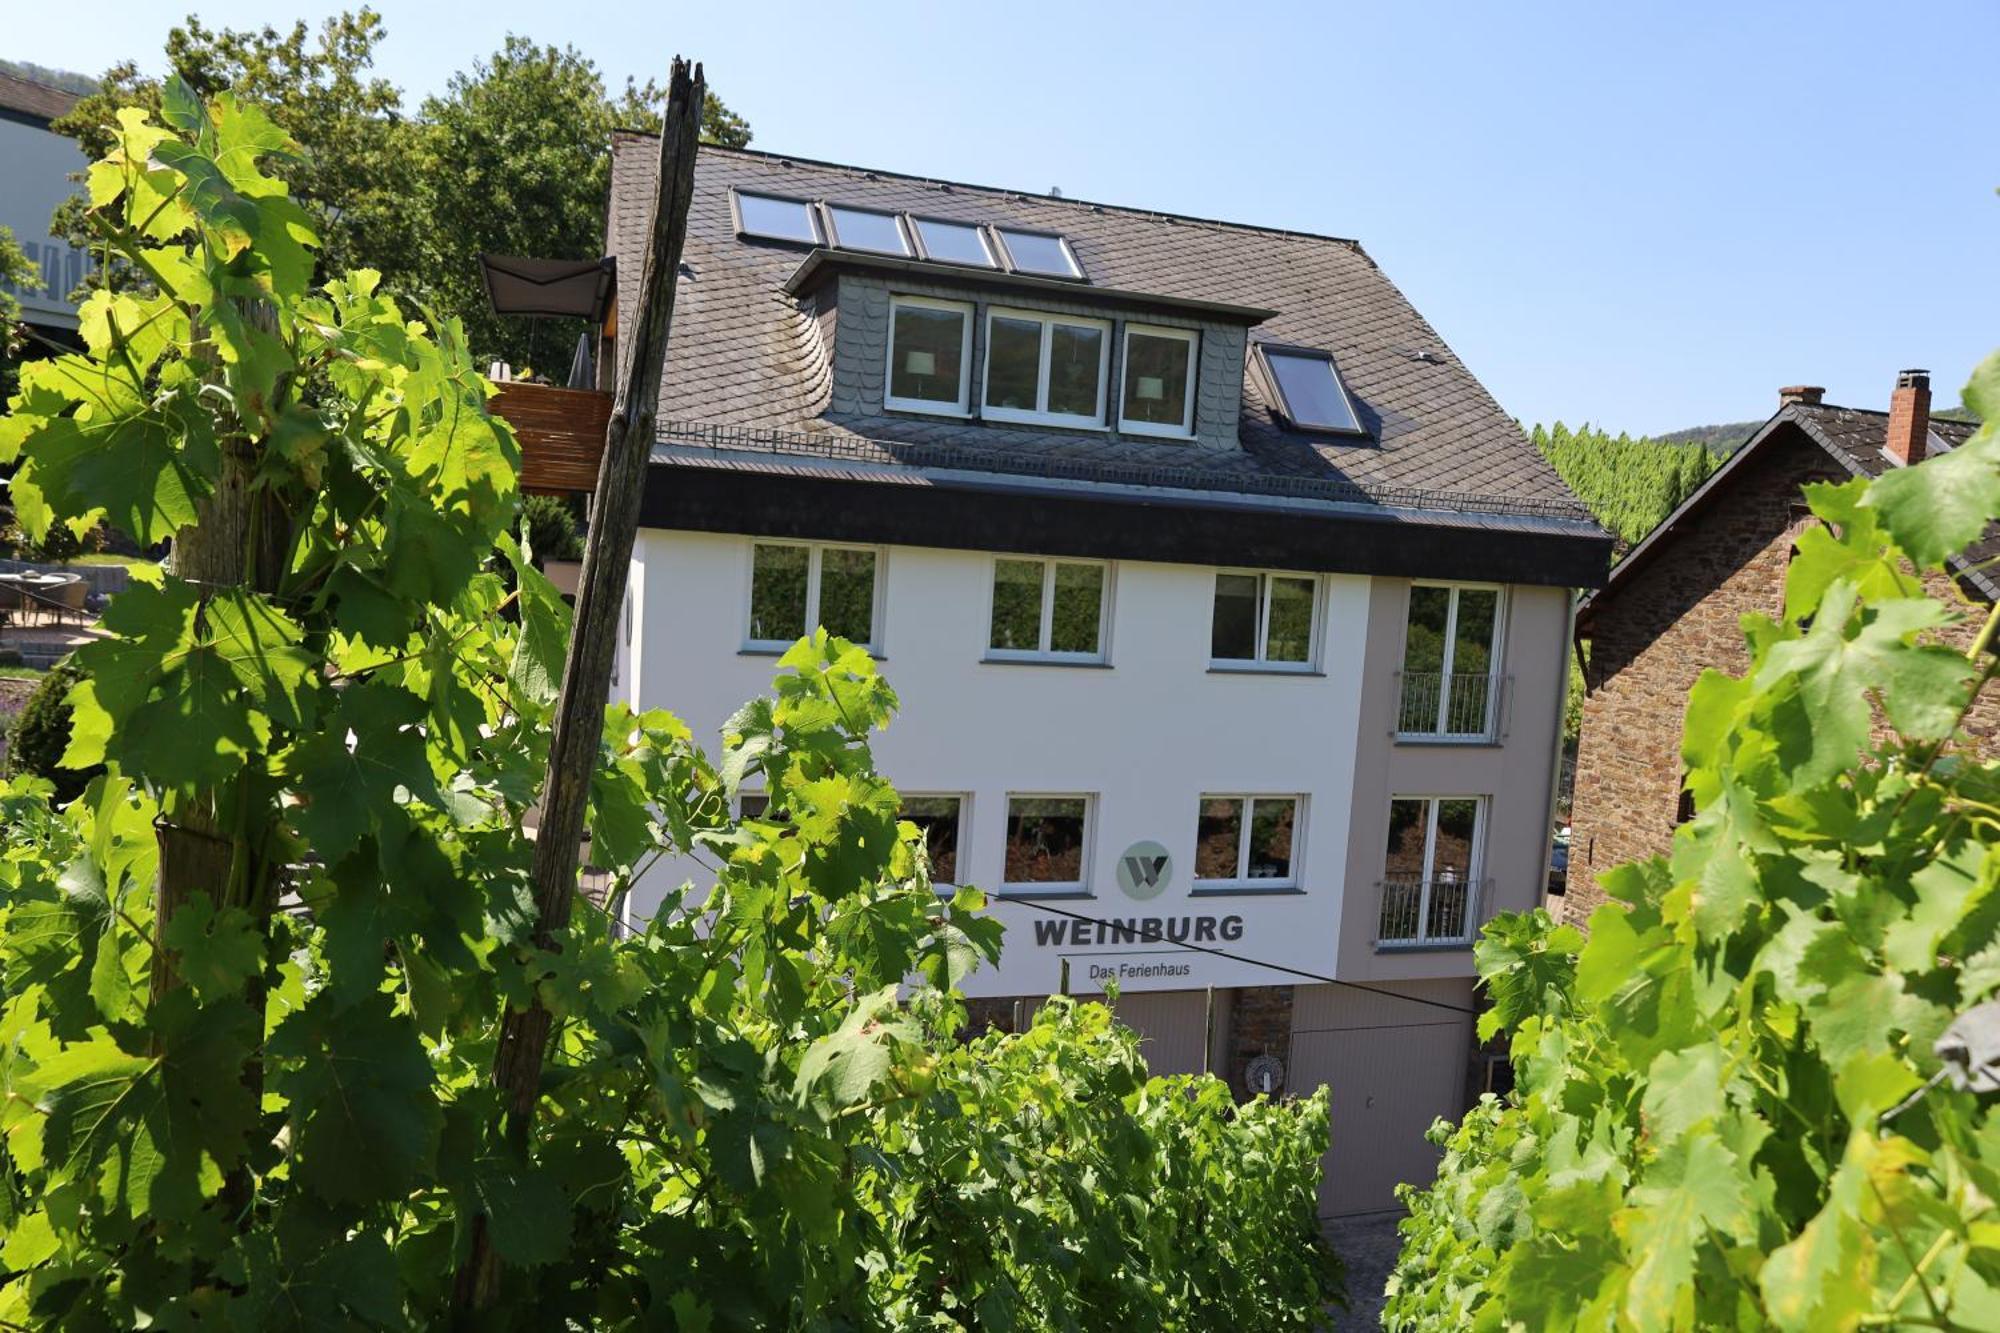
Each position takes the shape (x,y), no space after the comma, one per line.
(953,242)
(776,218)
(865,229)
(1039,253)
(1309,390)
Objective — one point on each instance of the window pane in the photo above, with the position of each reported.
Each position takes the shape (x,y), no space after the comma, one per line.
(1045,840)
(1271,838)
(928,354)
(784,219)
(1423,644)
(953,242)
(1156,379)
(778,592)
(859,229)
(1014,363)
(1408,826)
(1075,364)
(1478,613)
(847,593)
(1218,836)
(753,804)
(1313,396)
(1290,636)
(1039,254)
(1452,856)
(1017,605)
(1078,608)
(1233,636)
(937,816)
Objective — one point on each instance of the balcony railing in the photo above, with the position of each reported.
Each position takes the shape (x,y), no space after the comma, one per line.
(1458,705)
(1418,912)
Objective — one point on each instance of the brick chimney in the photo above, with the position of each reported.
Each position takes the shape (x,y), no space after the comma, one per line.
(1802,395)
(1909,417)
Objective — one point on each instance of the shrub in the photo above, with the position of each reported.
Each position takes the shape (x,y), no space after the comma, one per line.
(40,734)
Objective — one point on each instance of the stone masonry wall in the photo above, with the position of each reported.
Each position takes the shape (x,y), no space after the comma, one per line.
(1679,616)
(1260,1023)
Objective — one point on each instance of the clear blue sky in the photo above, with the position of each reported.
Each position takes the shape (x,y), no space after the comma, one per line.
(1647,215)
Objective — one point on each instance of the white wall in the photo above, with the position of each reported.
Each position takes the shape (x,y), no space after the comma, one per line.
(35,166)
(1147,737)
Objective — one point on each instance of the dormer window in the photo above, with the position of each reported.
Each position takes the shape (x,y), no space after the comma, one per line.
(1040,253)
(1046,370)
(953,242)
(1307,388)
(865,229)
(930,356)
(775,218)
(1159,381)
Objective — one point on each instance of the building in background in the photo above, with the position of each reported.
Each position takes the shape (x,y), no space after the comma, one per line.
(1673,608)
(36,165)
(1228,612)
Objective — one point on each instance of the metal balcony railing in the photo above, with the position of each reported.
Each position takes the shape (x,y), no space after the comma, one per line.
(1418,911)
(1460,705)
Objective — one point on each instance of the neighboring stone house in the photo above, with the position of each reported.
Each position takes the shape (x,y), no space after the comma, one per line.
(1672,608)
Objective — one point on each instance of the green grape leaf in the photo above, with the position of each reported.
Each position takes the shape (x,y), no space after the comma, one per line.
(1936,508)
(526,1210)
(364,1109)
(215,951)
(843,1067)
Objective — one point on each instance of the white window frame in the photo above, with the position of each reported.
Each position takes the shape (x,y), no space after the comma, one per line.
(1474,876)
(1260,662)
(1050,888)
(1041,416)
(1159,430)
(1044,653)
(931,406)
(1241,882)
(946,888)
(817,551)
(1497,656)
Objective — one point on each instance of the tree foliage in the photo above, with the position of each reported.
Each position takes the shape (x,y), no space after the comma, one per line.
(39,734)
(15,271)
(1728,1107)
(512,159)
(253,1090)
(1629,485)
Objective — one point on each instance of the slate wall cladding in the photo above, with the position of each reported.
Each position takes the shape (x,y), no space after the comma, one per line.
(860,350)
(1680,615)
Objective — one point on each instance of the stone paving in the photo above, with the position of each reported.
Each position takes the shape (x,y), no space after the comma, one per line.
(1367,1245)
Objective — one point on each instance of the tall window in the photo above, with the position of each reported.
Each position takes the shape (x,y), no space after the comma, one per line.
(939,818)
(1158,397)
(1047,843)
(1430,875)
(1046,369)
(1451,659)
(1048,609)
(794,588)
(930,356)
(1246,842)
(1264,619)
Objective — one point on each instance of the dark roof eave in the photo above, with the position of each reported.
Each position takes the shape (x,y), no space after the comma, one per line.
(823,258)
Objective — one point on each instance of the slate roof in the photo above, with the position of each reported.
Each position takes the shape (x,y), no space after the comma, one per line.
(747,370)
(35,100)
(1853,437)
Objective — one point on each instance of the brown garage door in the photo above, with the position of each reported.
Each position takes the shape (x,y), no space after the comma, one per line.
(1389,1084)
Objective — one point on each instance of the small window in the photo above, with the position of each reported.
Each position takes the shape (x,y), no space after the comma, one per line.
(939,818)
(953,242)
(1430,874)
(1046,369)
(1246,842)
(1048,609)
(776,218)
(1159,381)
(865,229)
(1309,390)
(1047,842)
(795,588)
(1265,619)
(1039,253)
(930,356)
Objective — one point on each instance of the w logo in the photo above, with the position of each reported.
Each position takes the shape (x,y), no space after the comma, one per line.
(1145,870)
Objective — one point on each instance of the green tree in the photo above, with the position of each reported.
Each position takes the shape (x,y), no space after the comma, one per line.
(253,979)
(1629,485)
(15,271)
(1729,1110)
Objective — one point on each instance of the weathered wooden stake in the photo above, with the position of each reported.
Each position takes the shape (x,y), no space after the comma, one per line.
(607,557)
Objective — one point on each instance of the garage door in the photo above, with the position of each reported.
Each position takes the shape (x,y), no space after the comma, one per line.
(1389,1084)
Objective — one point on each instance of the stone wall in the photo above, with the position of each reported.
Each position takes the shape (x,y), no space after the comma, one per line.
(1260,1023)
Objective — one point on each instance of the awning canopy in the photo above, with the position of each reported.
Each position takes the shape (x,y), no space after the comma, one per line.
(579,288)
